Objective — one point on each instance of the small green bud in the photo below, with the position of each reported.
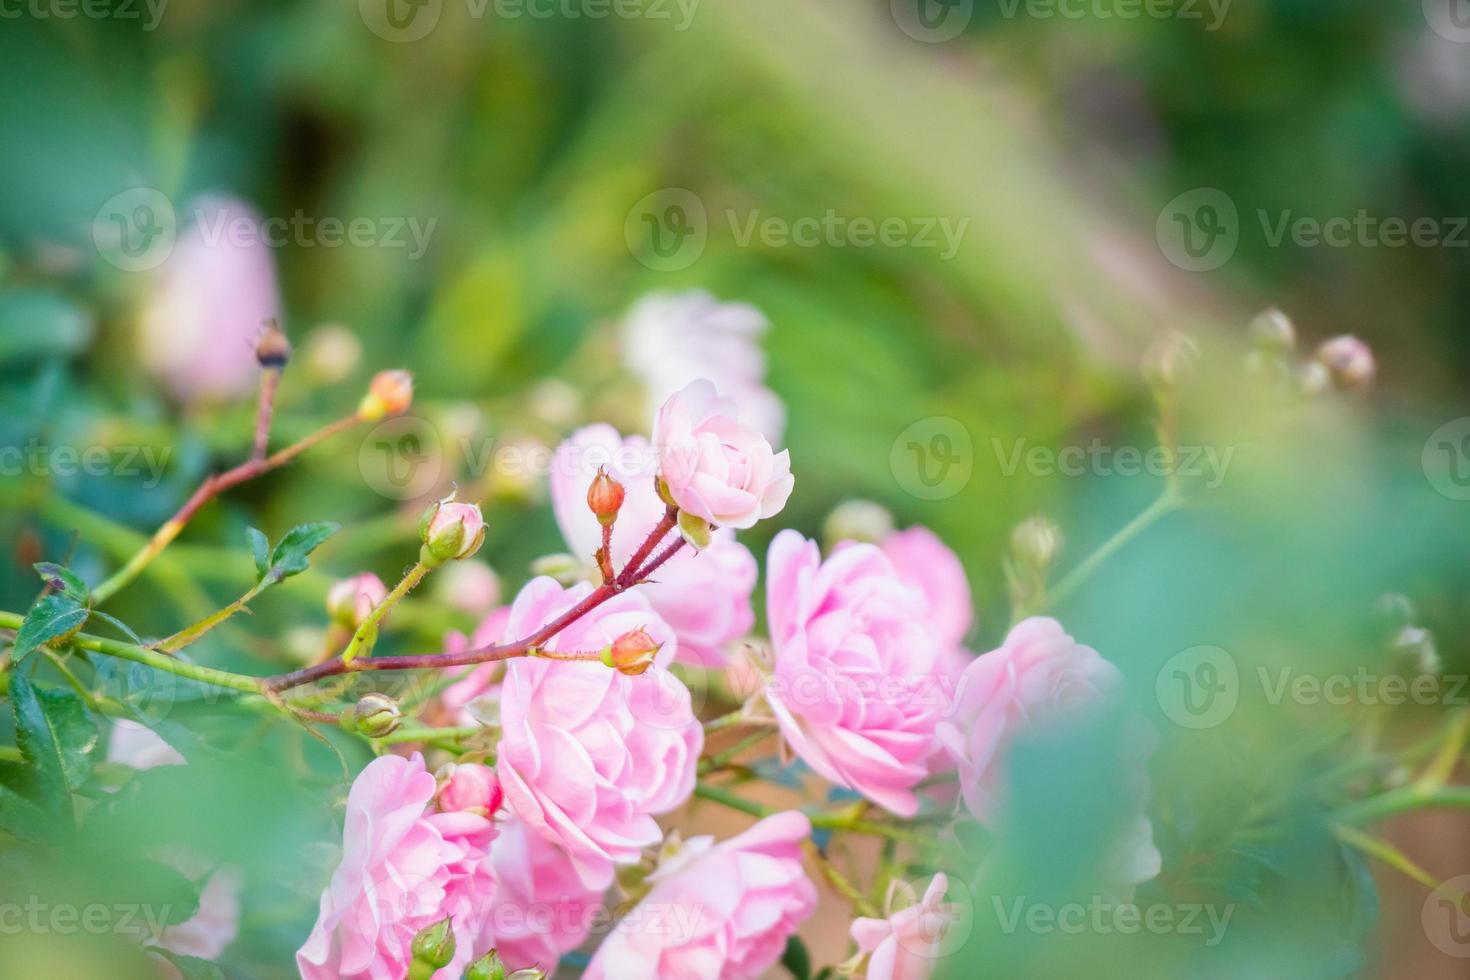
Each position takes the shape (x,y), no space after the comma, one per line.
(695,530)
(434,944)
(487,967)
(375,715)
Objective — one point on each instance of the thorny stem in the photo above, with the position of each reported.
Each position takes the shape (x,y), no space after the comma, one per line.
(212,487)
(189,634)
(367,632)
(270,378)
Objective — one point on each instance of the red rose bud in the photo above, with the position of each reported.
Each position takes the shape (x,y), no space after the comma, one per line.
(350,600)
(1349,360)
(605,497)
(389,393)
(434,945)
(272,350)
(632,653)
(471,787)
(374,715)
(450,530)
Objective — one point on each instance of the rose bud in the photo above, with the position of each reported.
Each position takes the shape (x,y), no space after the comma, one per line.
(1035,543)
(1271,330)
(487,967)
(375,715)
(389,393)
(605,497)
(470,786)
(1313,379)
(272,350)
(858,520)
(1169,360)
(434,945)
(1349,360)
(350,600)
(450,530)
(632,653)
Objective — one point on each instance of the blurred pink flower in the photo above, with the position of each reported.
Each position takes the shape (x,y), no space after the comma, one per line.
(670,339)
(470,586)
(403,867)
(198,329)
(542,909)
(858,682)
(716,466)
(136,745)
(587,755)
(907,944)
(704,596)
(350,600)
(924,562)
(215,925)
(716,910)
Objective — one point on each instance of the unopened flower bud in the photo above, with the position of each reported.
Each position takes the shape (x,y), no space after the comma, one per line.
(389,393)
(272,350)
(1314,379)
(1416,645)
(350,600)
(1271,330)
(695,530)
(375,715)
(434,944)
(450,530)
(330,353)
(605,497)
(1349,361)
(566,569)
(858,520)
(1169,360)
(632,653)
(487,967)
(470,786)
(527,973)
(1035,543)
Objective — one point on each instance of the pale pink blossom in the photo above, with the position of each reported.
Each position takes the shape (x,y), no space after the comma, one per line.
(858,682)
(670,339)
(404,866)
(215,925)
(542,909)
(924,562)
(136,745)
(716,466)
(469,586)
(717,911)
(588,755)
(350,600)
(909,943)
(216,289)
(703,596)
(470,786)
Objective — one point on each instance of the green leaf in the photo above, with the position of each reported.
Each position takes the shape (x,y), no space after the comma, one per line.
(56,736)
(36,325)
(192,967)
(260,549)
(21,817)
(289,558)
(55,617)
(64,580)
(796,959)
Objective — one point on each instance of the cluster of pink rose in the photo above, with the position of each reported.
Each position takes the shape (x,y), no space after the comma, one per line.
(866,677)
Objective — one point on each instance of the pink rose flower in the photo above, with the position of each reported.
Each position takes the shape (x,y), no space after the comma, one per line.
(215,291)
(716,910)
(404,866)
(717,467)
(670,339)
(703,596)
(471,786)
(542,909)
(481,680)
(136,745)
(214,926)
(857,686)
(907,945)
(924,562)
(588,755)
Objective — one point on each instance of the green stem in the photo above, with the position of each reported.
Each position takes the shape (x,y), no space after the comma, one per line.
(189,634)
(152,658)
(9,753)
(428,734)
(367,632)
(1403,800)
(1443,766)
(735,717)
(721,759)
(1168,501)
(1387,853)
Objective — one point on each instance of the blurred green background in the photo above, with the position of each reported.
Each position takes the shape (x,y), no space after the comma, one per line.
(533,144)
